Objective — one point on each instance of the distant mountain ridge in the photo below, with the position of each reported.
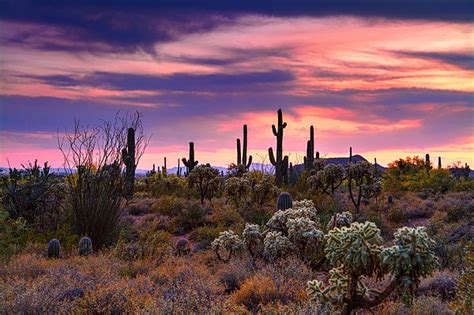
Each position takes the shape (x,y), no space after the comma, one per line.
(255,166)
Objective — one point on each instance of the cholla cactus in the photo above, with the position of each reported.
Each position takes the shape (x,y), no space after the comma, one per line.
(411,258)
(355,252)
(328,179)
(334,292)
(355,247)
(237,189)
(301,209)
(54,247)
(276,245)
(306,236)
(253,239)
(226,245)
(339,220)
(85,246)
(305,203)
(362,183)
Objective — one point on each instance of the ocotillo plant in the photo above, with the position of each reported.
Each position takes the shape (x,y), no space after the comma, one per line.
(128,157)
(242,154)
(190,163)
(309,158)
(280,163)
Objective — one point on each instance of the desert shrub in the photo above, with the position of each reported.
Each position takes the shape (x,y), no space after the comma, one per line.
(33,284)
(440,284)
(278,284)
(225,215)
(184,286)
(13,235)
(159,185)
(256,291)
(140,206)
(168,205)
(464,184)
(204,235)
(465,283)
(233,274)
(34,194)
(190,216)
(421,306)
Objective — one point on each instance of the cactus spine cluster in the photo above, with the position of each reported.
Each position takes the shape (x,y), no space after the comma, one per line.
(190,163)
(85,246)
(54,247)
(128,157)
(280,163)
(284,201)
(242,154)
(309,158)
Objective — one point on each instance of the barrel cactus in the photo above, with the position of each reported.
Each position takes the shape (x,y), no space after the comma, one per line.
(356,252)
(85,246)
(54,248)
(284,201)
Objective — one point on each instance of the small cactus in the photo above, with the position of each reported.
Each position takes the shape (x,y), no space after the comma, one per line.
(183,247)
(54,247)
(85,246)
(390,199)
(284,201)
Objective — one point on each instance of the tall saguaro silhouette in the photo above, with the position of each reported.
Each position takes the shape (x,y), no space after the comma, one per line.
(280,163)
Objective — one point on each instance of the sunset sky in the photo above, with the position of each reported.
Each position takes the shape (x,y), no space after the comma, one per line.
(389,78)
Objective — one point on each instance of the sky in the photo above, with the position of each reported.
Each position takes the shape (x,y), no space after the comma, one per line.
(389,78)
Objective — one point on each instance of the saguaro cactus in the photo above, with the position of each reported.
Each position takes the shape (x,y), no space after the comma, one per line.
(190,163)
(350,154)
(85,246)
(439,162)
(309,158)
(280,163)
(427,162)
(164,169)
(54,247)
(128,157)
(178,172)
(242,154)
